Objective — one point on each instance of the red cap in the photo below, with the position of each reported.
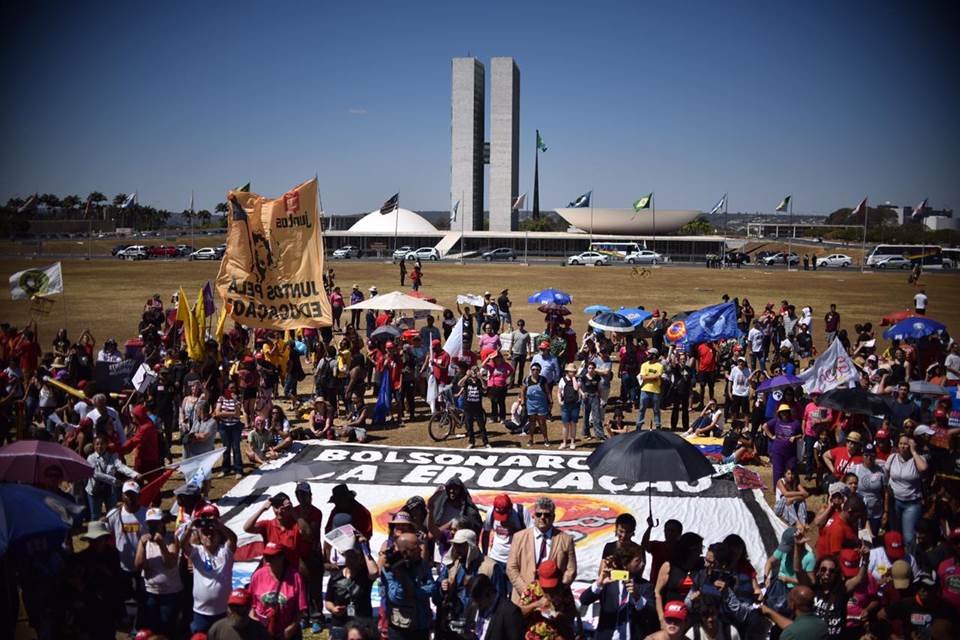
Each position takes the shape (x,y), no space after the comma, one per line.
(893,544)
(940,413)
(248,360)
(849,562)
(501,507)
(435,342)
(272,549)
(676,610)
(240,597)
(140,413)
(144,634)
(261,355)
(157,367)
(200,635)
(545,345)
(548,575)
(208,511)
(82,385)
(882,435)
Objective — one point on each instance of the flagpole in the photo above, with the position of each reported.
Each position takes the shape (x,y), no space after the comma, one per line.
(536,178)
(591,215)
(863,243)
(723,254)
(193,239)
(653,207)
(790,232)
(463,241)
(396,223)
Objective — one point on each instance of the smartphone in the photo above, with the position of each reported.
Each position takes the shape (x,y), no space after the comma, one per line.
(620,574)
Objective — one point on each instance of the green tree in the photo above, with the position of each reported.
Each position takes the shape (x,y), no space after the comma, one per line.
(71,202)
(699,227)
(544,223)
(204,217)
(51,200)
(119,199)
(96,197)
(221,208)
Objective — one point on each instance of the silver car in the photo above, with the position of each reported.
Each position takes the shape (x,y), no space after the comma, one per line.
(835,260)
(646,256)
(589,257)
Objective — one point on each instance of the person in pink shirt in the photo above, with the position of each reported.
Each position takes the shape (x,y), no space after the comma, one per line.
(489,341)
(815,419)
(279,596)
(498,381)
(336,306)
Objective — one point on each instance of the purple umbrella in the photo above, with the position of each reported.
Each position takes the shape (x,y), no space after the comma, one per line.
(30,460)
(779,382)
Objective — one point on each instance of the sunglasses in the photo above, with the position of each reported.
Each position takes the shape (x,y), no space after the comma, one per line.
(828,569)
(543,514)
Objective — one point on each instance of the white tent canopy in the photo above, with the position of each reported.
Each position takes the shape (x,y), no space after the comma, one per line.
(395,300)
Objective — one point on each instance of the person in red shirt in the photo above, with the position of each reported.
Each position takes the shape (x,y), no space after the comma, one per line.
(25,348)
(840,458)
(948,572)
(284,529)
(841,531)
(146,442)
(344,501)
(706,369)
(311,549)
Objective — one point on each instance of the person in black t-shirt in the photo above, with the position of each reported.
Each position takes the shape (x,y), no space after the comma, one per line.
(472,390)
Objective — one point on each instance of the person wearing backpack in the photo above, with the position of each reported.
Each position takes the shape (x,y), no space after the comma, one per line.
(503,521)
(325,382)
(568,396)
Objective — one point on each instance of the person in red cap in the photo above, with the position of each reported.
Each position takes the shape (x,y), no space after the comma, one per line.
(496,537)
(674,623)
(949,572)
(547,604)
(210,547)
(883,557)
(238,623)
(146,442)
(439,365)
(278,594)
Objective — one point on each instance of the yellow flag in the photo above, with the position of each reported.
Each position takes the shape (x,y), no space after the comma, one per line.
(218,334)
(272,273)
(186,316)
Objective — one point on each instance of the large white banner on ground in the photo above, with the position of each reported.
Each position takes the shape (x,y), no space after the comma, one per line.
(385,477)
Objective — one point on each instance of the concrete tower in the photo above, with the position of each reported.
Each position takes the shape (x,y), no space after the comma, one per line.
(466,149)
(504,143)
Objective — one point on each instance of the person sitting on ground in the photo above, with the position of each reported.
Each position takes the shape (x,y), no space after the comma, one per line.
(791,505)
(355,427)
(517,423)
(321,419)
(710,422)
(618,425)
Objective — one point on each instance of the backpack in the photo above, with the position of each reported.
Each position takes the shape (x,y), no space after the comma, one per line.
(569,394)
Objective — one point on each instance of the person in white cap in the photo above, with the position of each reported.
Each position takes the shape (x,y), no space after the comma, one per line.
(157,558)
(128,522)
(460,565)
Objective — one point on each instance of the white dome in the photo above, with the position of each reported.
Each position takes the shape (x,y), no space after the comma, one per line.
(408,223)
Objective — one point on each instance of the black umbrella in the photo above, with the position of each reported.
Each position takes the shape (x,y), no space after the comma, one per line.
(855,400)
(386,332)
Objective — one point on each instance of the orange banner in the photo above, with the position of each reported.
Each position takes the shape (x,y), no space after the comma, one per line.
(271,275)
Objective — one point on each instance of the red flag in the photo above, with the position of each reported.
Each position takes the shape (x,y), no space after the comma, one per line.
(861,208)
(151,491)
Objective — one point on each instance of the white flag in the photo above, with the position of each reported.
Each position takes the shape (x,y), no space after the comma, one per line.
(198,468)
(518,203)
(720,205)
(36,282)
(132,198)
(454,344)
(832,369)
(453,212)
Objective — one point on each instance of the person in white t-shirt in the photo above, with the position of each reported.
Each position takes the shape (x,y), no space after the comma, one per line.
(503,521)
(128,523)
(755,340)
(157,557)
(920,303)
(210,547)
(739,378)
(952,364)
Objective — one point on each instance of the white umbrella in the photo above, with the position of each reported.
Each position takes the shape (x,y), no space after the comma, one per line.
(395,300)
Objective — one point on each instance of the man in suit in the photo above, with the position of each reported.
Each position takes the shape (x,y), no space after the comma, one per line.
(627,606)
(493,617)
(541,542)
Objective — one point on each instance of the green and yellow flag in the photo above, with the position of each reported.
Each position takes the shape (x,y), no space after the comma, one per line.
(540,145)
(643,203)
(784,204)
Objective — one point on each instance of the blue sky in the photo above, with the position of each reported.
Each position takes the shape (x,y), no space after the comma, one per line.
(829,101)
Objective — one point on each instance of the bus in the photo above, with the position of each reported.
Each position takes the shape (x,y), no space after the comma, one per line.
(617,250)
(929,256)
(951,258)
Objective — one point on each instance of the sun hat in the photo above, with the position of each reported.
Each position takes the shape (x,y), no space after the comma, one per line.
(341,491)
(401,517)
(901,572)
(95,529)
(783,407)
(854,436)
(465,535)
(675,610)
(572,368)
(548,575)
(838,487)
(154,515)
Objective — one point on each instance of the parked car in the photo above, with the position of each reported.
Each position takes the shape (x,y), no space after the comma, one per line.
(760,255)
(503,253)
(835,260)
(207,253)
(589,257)
(646,256)
(894,262)
(133,252)
(162,251)
(733,257)
(117,248)
(221,249)
(781,258)
(346,252)
(184,250)
(424,253)
(401,252)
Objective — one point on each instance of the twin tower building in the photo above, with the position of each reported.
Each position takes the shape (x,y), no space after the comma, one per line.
(470,151)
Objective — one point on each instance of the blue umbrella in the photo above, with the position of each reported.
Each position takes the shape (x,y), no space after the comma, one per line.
(611,322)
(28,511)
(913,329)
(597,308)
(779,382)
(550,295)
(635,316)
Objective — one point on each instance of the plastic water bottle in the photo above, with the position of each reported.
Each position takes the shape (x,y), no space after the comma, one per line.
(351,610)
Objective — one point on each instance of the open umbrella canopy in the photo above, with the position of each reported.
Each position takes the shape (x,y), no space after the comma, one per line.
(30,460)
(28,511)
(649,456)
(386,332)
(610,321)
(596,308)
(780,382)
(854,400)
(550,295)
(897,316)
(913,329)
(634,315)
(395,300)
(921,388)
(554,308)
(422,296)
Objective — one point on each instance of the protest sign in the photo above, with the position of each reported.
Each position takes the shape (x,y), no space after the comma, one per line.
(114,376)
(271,275)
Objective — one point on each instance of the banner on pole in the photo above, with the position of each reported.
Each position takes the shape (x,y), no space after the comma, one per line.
(36,282)
(271,275)
(833,368)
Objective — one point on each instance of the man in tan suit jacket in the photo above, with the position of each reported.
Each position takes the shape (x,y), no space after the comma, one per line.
(527,545)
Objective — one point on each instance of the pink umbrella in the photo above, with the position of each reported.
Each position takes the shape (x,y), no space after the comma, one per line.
(896,316)
(29,461)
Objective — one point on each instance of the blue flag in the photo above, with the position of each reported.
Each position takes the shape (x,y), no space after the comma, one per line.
(381,410)
(582,201)
(712,323)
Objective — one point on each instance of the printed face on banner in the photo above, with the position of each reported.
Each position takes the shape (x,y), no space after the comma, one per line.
(271,275)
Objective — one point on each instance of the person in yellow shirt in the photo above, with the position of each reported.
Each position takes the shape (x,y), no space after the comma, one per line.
(651,373)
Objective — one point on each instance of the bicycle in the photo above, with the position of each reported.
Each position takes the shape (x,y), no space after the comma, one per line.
(445,421)
(639,272)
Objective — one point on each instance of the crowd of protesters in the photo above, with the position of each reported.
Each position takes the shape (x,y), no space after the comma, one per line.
(887,537)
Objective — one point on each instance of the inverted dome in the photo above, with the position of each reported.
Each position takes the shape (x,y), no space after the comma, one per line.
(401,220)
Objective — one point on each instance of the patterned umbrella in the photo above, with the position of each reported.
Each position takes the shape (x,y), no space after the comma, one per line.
(611,322)
(550,295)
(913,329)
